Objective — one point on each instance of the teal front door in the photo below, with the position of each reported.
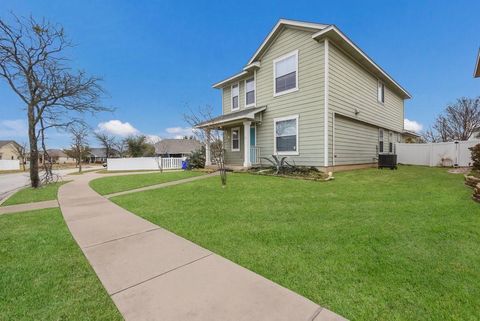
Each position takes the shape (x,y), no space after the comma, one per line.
(252,136)
(253,150)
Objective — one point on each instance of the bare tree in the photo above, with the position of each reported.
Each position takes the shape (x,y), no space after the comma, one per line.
(107,142)
(459,120)
(79,147)
(121,147)
(21,149)
(209,135)
(429,136)
(33,64)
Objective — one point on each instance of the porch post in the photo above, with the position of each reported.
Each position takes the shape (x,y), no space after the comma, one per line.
(208,158)
(246,143)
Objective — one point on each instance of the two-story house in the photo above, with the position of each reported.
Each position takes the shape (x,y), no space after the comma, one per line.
(309,93)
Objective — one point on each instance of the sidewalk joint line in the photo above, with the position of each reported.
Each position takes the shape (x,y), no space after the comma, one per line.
(121,238)
(315,314)
(163,273)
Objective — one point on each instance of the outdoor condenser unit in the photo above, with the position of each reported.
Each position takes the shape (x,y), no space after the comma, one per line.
(387,161)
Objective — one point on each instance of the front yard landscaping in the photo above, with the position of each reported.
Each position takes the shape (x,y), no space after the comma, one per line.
(114,184)
(370,245)
(31,195)
(44,275)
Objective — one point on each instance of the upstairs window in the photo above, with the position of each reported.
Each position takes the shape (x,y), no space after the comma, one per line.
(285,73)
(250,92)
(380,92)
(286,135)
(380,140)
(235,139)
(235,93)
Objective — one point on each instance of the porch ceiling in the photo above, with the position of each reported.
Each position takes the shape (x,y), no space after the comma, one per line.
(232,118)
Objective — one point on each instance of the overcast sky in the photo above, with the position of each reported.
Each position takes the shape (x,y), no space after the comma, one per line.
(158,57)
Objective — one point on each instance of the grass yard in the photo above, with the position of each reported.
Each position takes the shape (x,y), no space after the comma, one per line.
(30,195)
(370,245)
(44,275)
(114,184)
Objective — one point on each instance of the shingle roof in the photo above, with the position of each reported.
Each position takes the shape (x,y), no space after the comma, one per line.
(177,146)
(6,142)
(56,153)
(247,113)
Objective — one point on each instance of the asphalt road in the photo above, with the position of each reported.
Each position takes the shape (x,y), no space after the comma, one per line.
(11,182)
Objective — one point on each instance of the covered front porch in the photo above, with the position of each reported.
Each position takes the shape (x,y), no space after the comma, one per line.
(240,134)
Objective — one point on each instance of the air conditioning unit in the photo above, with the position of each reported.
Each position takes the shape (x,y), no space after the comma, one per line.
(387,161)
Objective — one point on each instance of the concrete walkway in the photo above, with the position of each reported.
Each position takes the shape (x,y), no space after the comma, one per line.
(28,207)
(152,274)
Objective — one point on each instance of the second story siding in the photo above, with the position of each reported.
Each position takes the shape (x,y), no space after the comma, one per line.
(353,87)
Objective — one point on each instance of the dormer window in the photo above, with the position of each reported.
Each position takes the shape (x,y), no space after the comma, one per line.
(235,93)
(380,92)
(285,73)
(250,92)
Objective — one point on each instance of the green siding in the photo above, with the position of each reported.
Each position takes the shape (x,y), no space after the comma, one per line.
(352,87)
(233,158)
(307,102)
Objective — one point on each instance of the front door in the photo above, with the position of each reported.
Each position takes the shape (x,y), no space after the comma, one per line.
(253,141)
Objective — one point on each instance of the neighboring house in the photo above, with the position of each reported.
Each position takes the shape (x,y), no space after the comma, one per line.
(9,150)
(309,93)
(57,156)
(176,147)
(409,136)
(476,72)
(98,155)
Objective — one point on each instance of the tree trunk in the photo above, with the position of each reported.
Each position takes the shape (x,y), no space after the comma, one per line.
(32,136)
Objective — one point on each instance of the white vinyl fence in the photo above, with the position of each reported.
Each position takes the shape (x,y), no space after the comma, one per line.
(143,163)
(436,154)
(8,165)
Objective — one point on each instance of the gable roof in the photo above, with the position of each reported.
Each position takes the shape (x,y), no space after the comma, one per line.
(6,142)
(177,146)
(476,73)
(319,32)
(56,153)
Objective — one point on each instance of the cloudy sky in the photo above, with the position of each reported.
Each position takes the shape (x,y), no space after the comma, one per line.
(159,58)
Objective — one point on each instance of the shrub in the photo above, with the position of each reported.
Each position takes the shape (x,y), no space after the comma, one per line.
(476,157)
(197,159)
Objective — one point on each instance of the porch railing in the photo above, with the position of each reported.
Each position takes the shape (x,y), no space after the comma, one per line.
(255,155)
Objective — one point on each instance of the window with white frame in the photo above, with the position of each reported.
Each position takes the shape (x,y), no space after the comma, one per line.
(380,140)
(235,93)
(235,143)
(250,92)
(286,135)
(380,92)
(285,73)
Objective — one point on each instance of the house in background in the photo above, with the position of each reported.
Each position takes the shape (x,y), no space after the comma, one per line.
(409,136)
(309,93)
(476,72)
(176,147)
(9,150)
(57,156)
(98,155)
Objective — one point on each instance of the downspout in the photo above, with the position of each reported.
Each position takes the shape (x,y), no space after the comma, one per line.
(325,116)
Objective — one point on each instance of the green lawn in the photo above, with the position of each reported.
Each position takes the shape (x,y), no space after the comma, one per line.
(370,245)
(43,273)
(114,184)
(29,194)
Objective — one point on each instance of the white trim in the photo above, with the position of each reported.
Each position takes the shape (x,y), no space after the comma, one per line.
(254,65)
(246,143)
(275,120)
(344,38)
(238,96)
(288,55)
(254,91)
(231,139)
(220,84)
(333,139)
(281,23)
(326,97)
(380,130)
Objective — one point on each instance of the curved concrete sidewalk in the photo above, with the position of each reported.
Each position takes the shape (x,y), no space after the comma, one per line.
(152,274)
